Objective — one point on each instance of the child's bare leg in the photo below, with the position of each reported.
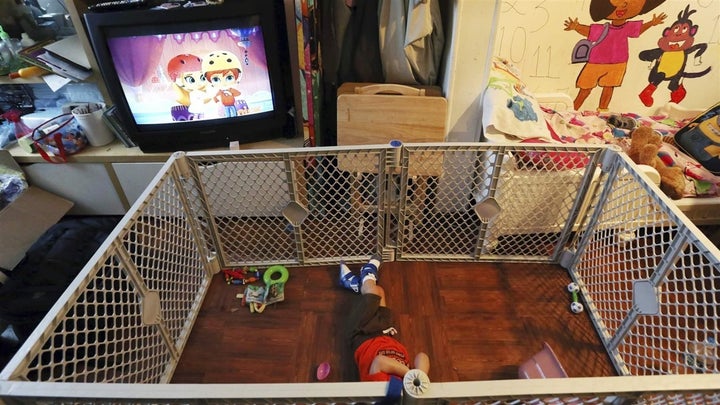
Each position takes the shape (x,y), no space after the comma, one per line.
(422,362)
(371,287)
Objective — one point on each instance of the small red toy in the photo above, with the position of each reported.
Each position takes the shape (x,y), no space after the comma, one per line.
(241,275)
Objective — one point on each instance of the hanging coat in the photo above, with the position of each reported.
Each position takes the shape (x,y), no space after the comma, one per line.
(360,54)
(411,40)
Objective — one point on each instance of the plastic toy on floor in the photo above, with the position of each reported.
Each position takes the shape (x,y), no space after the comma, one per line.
(323,371)
(241,275)
(575,306)
(257,297)
(543,364)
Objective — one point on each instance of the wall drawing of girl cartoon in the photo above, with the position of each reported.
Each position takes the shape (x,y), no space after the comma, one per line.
(607,62)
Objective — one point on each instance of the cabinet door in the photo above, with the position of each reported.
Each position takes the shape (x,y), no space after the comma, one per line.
(88,185)
(135,177)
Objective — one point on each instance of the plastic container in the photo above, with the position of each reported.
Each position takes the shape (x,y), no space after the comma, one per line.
(90,118)
(59,136)
(9,61)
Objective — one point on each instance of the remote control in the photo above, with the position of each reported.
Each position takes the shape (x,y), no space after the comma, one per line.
(117,5)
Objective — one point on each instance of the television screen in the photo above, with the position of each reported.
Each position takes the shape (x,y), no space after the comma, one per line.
(200,75)
(196,77)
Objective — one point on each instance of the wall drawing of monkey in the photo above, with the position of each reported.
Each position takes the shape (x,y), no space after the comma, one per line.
(670,58)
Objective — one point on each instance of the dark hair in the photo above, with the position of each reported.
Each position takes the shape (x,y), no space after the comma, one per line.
(600,9)
(684,16)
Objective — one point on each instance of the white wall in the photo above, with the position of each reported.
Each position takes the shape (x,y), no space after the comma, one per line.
(468,49)
(531,34)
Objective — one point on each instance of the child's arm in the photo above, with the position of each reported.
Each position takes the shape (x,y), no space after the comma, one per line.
(387,365)
(181,95)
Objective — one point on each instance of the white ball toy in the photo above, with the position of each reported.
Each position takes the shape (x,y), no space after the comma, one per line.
(576,307)
(573,287)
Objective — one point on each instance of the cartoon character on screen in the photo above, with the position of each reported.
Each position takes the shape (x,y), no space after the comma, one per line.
(223,71)
(185,71)
(608,57)
(669,60)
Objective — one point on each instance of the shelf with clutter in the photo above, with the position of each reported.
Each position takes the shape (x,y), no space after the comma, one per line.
(40,53)
(25,24)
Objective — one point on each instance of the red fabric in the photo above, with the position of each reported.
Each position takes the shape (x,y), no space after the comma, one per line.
(385,345)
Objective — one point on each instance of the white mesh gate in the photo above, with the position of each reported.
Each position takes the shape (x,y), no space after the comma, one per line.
(652,279)
(418,202)
(533,199)
(127,315)
(306,207)
(649,277)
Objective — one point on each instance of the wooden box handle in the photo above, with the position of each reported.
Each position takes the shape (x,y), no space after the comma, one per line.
(398,89)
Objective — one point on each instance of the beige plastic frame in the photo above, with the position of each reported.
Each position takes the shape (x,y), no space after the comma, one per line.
(648,276)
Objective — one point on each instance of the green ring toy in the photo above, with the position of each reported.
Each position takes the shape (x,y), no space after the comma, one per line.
(271,271)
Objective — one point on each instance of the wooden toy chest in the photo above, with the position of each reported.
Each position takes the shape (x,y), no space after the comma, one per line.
(378,113)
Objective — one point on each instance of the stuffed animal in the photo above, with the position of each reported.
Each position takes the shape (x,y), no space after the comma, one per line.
(644,146)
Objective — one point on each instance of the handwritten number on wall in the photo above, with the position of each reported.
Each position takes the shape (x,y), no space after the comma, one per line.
(545,70)
(514,40)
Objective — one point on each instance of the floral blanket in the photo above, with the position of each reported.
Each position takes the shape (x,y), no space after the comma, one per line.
(511,112)
(590,127)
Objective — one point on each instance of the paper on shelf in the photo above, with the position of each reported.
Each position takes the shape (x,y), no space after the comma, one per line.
(63,68)
(55,81)
(70,49)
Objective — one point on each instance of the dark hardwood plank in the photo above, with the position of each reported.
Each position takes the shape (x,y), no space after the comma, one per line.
(476,321)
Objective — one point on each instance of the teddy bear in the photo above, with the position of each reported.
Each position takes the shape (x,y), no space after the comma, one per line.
(644,146)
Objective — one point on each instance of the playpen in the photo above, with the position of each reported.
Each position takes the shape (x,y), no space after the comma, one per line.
(648,277)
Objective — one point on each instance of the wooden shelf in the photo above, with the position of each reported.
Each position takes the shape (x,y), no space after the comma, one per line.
(116,152)
(7,80)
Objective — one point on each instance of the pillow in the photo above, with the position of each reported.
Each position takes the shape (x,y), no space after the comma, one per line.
(701,139)
(509,110)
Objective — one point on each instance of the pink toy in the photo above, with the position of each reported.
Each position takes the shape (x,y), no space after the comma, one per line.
(323,371)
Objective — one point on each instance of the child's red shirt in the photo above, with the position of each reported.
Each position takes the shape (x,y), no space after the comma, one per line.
(385,345)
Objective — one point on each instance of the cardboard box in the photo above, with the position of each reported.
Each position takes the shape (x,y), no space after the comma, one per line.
(27,218)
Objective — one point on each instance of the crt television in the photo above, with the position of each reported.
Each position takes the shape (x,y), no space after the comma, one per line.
(190,78)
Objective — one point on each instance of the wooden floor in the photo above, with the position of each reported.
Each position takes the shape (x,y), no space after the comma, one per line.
(476,322)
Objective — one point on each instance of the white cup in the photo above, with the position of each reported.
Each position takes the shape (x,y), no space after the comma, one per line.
(90,119)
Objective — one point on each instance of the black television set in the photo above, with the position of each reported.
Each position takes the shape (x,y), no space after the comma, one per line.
(188,78)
